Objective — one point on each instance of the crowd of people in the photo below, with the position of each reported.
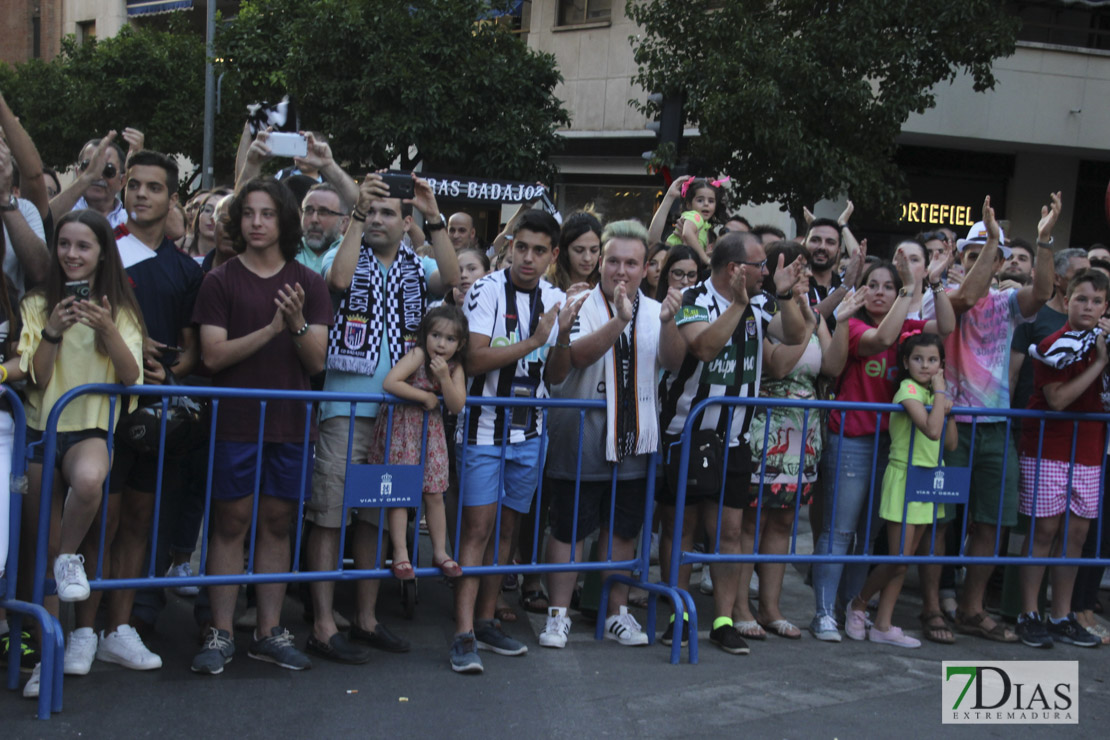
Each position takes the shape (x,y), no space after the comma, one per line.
(312,281)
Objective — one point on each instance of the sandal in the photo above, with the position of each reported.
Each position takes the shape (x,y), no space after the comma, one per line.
(534,601)
(782,628)
(402,570)
(973,625)
(751,630)
(933,632)
(505,614)
(449,568)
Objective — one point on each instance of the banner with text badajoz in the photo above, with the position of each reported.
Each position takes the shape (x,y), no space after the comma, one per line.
(482,190)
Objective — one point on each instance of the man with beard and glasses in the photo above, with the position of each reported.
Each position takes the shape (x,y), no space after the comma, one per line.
(324,218)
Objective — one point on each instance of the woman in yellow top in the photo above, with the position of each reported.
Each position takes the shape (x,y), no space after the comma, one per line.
(81,326)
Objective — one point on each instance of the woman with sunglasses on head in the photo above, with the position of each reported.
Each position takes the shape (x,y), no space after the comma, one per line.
(868,377)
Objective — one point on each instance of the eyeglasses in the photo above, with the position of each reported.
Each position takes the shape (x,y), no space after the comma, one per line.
(761,265)
(310,211)
(109,169)
(691,276)
(930,236)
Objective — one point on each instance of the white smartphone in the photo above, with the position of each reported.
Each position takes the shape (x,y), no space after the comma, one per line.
(287,145)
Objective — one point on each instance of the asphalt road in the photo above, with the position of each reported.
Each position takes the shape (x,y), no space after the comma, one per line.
(784,689)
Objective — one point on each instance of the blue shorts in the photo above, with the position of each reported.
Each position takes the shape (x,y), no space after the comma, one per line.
(480,474)
(233,465)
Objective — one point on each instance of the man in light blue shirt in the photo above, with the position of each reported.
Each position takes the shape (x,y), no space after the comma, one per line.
(382,286)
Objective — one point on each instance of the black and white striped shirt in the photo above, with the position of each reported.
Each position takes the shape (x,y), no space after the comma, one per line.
(735,371)
(490,313)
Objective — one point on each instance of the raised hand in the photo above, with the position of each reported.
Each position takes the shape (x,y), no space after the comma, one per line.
(372,188)
(99,158)
(852,303)
(993,232)
(808,216)
(739,286)
(98,318)
(846,214)
(135,140)
(671,303)
(1049,216)
(259,150)
(290,303)
(424,198)
(854,269)
(905,272)
(62,317)
(674,192)
(787,276)
(623,304)
(547,323)
(318,156)
(941,262)
(569,312)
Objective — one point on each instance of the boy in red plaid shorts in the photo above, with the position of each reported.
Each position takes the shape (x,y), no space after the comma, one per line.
(1068,376)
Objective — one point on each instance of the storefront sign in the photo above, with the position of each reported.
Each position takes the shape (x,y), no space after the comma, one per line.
(937,213)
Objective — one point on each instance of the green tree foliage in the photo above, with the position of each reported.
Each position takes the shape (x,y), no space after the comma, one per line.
(423,80)
(148,79)
(799,100)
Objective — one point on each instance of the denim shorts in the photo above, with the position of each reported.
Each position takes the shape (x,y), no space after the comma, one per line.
(65,442)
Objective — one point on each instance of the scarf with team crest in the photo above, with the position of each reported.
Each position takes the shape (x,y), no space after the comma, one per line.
(392,303)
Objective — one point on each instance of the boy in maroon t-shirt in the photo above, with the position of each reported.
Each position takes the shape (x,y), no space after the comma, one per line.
(263,320)
(1067,377)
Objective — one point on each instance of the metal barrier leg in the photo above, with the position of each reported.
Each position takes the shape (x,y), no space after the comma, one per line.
(53,652)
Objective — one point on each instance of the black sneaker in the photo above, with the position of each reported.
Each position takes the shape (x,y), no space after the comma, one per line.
(1071,632)
(1032,632)
(727,638)
(29,657)
(668,635)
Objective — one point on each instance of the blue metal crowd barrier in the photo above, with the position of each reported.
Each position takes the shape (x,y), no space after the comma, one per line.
(812,415)
(53,643)
(638,566)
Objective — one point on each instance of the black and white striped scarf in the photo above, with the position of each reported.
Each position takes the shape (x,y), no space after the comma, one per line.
(373,304)
(1069,348)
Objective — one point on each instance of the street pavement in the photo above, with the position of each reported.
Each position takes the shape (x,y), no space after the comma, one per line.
(783,689)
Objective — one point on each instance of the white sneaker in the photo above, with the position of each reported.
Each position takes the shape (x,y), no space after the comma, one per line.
(182,570)
(31,688)
(625,629)
(80,651)
(124,646)
(69,574)
(706,586)
(555,634)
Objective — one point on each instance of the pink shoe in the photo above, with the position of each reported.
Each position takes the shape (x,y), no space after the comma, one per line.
(855,624)
(893,636)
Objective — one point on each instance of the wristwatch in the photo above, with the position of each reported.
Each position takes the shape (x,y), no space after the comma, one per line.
(437,225)
(11,205)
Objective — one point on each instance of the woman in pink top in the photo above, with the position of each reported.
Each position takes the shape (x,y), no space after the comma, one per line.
(858,439)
